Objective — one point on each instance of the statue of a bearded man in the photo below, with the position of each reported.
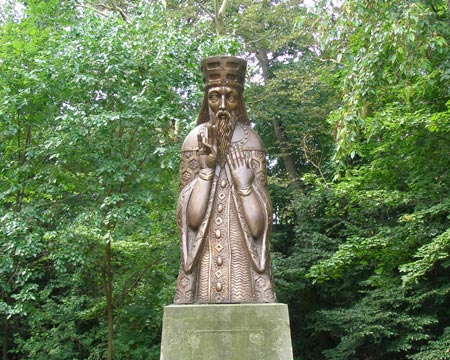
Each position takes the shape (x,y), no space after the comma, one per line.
(224,214)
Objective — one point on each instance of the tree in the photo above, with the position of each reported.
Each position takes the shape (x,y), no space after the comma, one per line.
(389,203)
(94,114)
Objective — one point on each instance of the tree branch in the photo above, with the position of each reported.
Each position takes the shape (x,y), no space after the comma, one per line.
(202,6)
(310,160)
(119,10)
(223,8)
(257,40)
(97,11)
(130,286)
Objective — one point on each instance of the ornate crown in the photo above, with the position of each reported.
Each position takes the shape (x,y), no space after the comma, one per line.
(224,70)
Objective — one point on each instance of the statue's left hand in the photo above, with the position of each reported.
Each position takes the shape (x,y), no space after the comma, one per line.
(241,172)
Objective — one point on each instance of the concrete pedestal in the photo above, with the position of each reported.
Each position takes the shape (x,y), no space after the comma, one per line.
(226,332)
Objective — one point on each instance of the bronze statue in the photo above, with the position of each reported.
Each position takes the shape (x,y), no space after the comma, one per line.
(224,213)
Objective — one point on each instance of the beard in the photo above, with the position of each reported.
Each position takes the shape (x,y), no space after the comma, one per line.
(225,125)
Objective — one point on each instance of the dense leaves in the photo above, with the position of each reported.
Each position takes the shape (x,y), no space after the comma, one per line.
(93,111)
(389,208)
(352,100)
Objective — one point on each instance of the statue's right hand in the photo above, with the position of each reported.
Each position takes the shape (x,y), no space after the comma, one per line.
(208,147)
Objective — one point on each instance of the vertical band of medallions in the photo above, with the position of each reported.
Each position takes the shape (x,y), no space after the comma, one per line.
(218,273)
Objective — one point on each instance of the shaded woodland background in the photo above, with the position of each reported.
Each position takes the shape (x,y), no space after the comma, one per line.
(352,101)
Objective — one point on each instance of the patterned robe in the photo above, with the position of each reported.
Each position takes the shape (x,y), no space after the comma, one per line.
(221,262)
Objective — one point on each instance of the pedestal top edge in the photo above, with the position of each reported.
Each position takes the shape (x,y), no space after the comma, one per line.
(249,305)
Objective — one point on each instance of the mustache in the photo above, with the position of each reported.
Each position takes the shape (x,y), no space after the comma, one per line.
(223,113)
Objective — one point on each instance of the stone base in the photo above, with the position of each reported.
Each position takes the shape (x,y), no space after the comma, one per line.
(226,332)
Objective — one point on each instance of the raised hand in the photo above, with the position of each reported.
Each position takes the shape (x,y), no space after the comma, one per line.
(208,147)
(241,172)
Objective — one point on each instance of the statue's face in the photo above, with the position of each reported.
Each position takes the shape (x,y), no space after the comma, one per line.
(223,103)
(222,100)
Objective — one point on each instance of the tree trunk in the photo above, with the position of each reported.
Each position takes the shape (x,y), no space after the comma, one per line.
(219,15)
(287,158)
(107,285)
(5,340)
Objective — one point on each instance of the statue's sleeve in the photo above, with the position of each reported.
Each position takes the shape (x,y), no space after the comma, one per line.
(189,166)
(191,242)
(258,247)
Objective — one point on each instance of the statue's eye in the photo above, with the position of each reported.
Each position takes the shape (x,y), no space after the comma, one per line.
(232,96)
(214,97)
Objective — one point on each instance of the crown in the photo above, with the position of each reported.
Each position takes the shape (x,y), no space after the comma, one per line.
(224,70)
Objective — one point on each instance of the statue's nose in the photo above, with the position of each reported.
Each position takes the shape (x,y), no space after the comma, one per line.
(222,102)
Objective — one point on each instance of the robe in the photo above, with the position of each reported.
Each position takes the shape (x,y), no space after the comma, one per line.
(221,262)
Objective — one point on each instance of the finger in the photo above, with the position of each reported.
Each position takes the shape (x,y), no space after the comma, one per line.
(213,134)
(200,141)
(230,161)
(248,161)
(235,156)
(241,156)
(207,146)
(246,158)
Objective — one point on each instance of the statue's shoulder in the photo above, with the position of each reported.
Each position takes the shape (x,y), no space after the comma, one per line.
(191,141)
(254,139)
(249,138)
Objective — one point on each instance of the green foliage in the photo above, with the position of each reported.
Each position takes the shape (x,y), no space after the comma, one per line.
(386,53)
(436,349)
(93,112)
(386,318)
(381,290)
(95,104)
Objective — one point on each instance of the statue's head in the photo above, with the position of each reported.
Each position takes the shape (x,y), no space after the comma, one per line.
(224,78)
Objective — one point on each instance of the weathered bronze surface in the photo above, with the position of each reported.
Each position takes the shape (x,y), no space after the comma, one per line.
(224,213)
